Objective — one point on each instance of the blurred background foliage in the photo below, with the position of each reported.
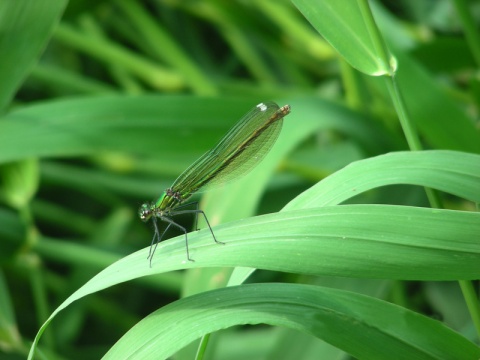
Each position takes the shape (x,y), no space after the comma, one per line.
(104,103)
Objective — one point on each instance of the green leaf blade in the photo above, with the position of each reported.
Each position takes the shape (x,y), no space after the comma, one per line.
(349,241)
(342,24)
(26,27)
(427,168)
(355,323)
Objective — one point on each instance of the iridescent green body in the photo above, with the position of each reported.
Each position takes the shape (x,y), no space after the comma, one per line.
(244,146)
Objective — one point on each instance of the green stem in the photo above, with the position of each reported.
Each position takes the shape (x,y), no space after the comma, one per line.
(412,137)
(147,70)
(388,61)
(39,294)
(122,76)
(302,36)
(408,127)
(202,347)
(223,16)
(74,254)
(410,131)
(62,80)
(164,47)
(355,98)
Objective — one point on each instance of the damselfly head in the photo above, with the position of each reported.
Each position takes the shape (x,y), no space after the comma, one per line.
(145,212)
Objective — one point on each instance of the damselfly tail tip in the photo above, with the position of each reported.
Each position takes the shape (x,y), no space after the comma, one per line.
(285,109)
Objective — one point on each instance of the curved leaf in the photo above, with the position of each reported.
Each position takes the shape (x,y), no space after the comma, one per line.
(370,241)
(150,124)
(26,26)
(342,24)
(450,171)
(357,324)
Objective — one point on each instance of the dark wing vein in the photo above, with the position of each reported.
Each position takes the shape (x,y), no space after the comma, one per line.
(243,147)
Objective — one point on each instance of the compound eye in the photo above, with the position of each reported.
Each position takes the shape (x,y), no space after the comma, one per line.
(144,213)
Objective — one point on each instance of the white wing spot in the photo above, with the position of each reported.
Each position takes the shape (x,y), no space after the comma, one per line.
(262,107)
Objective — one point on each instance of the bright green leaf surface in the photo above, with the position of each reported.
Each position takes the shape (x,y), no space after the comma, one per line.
(342,24)
(78,217)
(355,323)
(370,241)
(460,177)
